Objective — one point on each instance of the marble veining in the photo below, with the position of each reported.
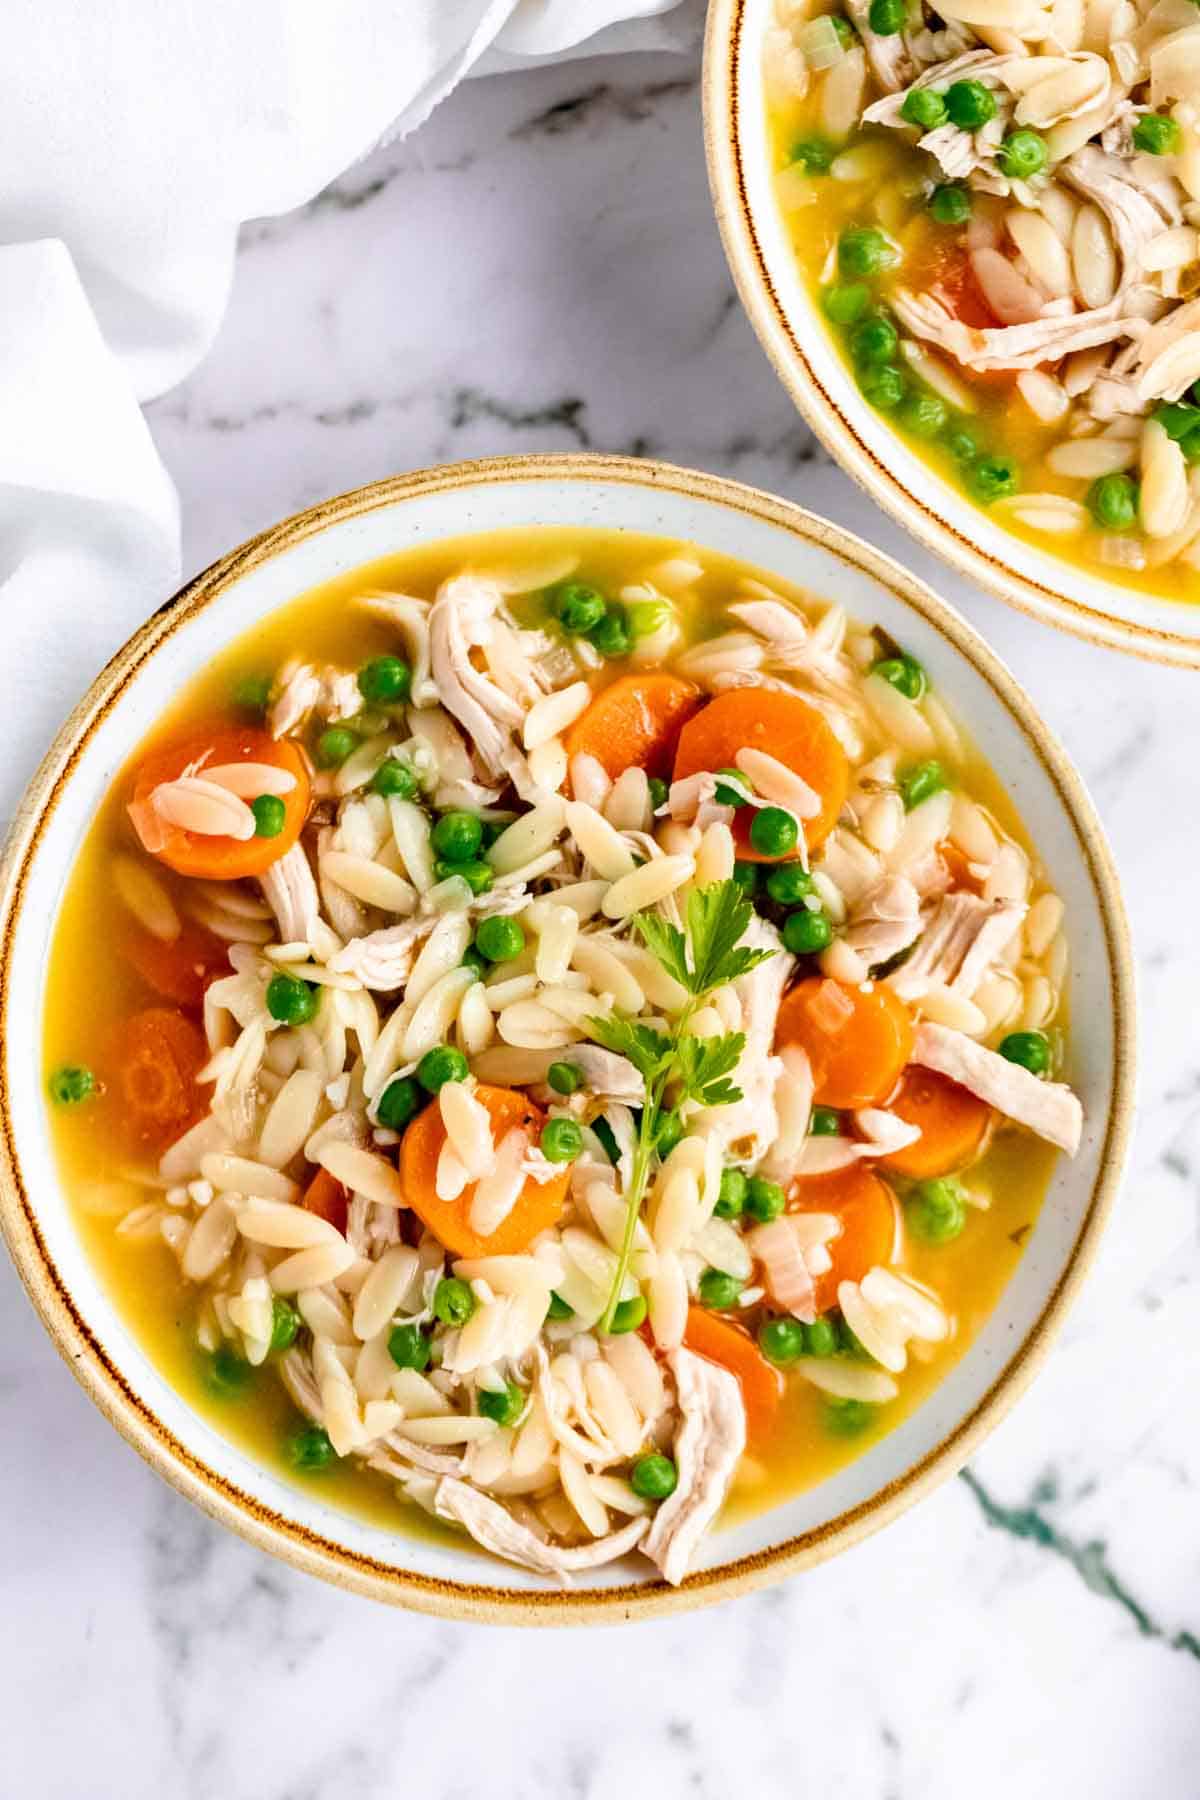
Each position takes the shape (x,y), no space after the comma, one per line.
(539,269)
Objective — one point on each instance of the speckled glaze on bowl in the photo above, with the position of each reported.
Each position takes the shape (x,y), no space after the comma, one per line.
(326,541)
(794,335)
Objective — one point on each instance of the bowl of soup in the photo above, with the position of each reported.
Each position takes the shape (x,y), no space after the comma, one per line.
(966,238)
(607,1041)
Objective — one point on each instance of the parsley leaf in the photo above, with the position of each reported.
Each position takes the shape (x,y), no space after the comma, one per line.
(668,945)
(649,1051)
(718,918)
(701,1065)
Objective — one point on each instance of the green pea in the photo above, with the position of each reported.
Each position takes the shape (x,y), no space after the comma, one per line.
(453,1301)
(1022,154)
(335,745)
(921,781)
(558,1308)
(806,933)
(902,672)
(781,1340)
(611,635)
(478,876)
(393,777)
(564,1077)
(814,154)
(950,203)
(670,1130)
(847,36)
(457,836)
(227,1374)
(774,832)
(962,445)
(865,250)
(270,815)
(252,694)
(439,1066)
(653,1477)
(733,788)
(820,1338)
(924,107)
(731,1198)
(561,1140)
(311,1448)
(970,104)
(887,17)
(746,876)
(290,1000)
(936,1210)
(71,1084)
(848,1418)
(285,1323)
(408,1347)
(505,1405)
(1112,501)
(924,415)
(846,1342)
(994,478)
(884,388)
(846,301)
(765,1200)
(874,341)
(790,885)
(1177,418)
(1157,135)
(629,1314)
(398,1102)
(499,939)
(577,607)
(471,959)
(648,616)
(658,792)
(1029,1050)
(825,1122)
(385,681)
(718,1290)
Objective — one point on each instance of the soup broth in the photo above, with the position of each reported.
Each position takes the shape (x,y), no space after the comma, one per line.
(275,1153)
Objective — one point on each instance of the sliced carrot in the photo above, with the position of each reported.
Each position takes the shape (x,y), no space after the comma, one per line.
(635,723)
(153,1061)
(866,1210)
(953,1124)
(537,1206)
(179,971)
(788,729)
(857,1039)
(326,1197)
(219,858)
(734,1349)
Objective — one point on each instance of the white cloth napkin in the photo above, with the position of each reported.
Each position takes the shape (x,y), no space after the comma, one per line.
(135,137)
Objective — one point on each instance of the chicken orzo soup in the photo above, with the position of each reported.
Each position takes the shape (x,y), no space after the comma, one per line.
(574,1041)
(997,202)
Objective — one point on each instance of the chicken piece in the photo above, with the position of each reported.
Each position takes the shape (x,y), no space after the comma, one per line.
(747,1127)
(889,56)
(297,698)
(463,619)
(1168,358)
(491,1525)
(410,617)
(885,920)
(383,960)
(782,628)
(708,1445)
(960,941)
(882,1134)
(1044,340)
(1046,1107)
(1135,214)
(290,891)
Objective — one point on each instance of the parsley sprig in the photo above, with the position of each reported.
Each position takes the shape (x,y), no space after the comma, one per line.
(680,1069)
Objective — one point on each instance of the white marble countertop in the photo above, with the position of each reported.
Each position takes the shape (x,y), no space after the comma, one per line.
(537,270)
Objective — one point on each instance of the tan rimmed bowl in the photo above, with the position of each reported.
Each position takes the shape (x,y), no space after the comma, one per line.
(292,1521)
(797,339)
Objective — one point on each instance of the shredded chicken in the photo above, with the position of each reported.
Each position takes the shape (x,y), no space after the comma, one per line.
(383,960)
(461,620)
(748,1127)
(711,1438)
(493,1526)
(885,920)
(1046,1107)
(962,938)
(289,889)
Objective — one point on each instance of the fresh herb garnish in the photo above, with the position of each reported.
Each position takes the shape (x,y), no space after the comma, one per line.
(680,1069)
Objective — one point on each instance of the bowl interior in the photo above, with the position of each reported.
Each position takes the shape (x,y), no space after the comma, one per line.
(226,602)
(796,337)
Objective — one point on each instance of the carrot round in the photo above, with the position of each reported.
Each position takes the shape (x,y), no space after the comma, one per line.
(866,1210)
(953,1124)
(153,1061)
(220,858)
(181,970)
(734,1349)
(538,1204)
(634,723)
(327,1198)
(857,1039)
(788,729)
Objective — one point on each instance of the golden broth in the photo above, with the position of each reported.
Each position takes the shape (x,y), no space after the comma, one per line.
(143,1278)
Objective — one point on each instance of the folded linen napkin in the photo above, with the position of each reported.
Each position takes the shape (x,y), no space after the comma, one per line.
(135,137)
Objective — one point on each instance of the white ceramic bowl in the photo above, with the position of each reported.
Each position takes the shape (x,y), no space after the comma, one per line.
(797,339)
(296,1524)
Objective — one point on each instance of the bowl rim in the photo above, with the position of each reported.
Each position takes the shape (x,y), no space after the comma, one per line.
(308,1549)
(724,45)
